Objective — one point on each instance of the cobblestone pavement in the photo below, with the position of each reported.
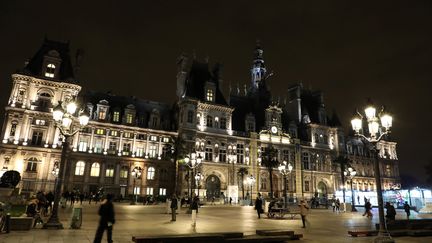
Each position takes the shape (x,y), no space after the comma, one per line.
(325,226)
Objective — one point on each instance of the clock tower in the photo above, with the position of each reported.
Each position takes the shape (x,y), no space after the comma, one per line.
(273,121)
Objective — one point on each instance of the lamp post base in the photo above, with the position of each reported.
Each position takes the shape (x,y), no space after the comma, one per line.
(353,209)
(53,223)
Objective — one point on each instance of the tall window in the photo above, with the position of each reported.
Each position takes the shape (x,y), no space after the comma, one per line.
(209,121)
(114,133)
(102,113)
(150,173)
(13,129)
(95,169)
(263,183)
(306,185)
(79,168)
(37,138)
(149,191)
(305,160)
(32,165)
(154,122)
(44,100)
(98,146)
(285,155)
(209,95)
(153,138)
(139,152)
(129,118)
(124,171)
(50,70)
(116,116)
(100,131)
(112,147)
(209,154)
(222,155)
(190,115)
(240,153)
(223,123)
(162,191)
(126,148)
(109,172)
(82,146)
(152,151)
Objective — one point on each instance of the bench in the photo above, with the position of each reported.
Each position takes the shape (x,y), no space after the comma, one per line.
(259,238)
(21,223)
(290,233)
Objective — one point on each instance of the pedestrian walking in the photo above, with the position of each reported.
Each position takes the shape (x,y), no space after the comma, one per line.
(358,199)
(258,205)
(81,197)
(194,207)
(107,220)
(213,201)
(303,212)
(334,205)
(173,207)
(368,207)
(230,200)
(50,200)
(72,198)
(391,212)
(407,209)
(337,205)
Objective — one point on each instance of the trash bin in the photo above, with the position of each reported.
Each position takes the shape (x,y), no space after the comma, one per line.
(76,218)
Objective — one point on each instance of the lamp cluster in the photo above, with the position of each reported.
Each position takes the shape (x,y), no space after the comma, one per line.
(64,114)
(285,168)
(193,160)
(376,130)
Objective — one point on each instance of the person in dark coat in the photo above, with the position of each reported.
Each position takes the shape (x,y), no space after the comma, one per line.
(391,212)
(407,209)
(81,197)
(50,199)
(258,205)
(107,220)
(173,207)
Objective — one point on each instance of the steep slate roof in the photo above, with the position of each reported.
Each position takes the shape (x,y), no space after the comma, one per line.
(197,77)
(34,66)
(143,108)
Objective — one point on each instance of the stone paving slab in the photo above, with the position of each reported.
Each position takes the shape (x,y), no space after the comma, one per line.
(325,226)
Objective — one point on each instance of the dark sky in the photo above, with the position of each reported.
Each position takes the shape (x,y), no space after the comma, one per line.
(349,49)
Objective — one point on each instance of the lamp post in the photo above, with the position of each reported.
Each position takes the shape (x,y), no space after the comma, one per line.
(374,134)
(198,178)
(193,161)
(64,116)
(350,173)
(251,181)
(136,174)
(285,169)
(231,160)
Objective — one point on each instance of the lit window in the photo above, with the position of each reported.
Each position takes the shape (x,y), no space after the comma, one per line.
(79,168)
(109,172)
(127,135)
(82,146)
(116,116)
(209,95)
(126,148)
(100,131)
(149,191)
(95,169)
(165,140)
(150,173)
(98,146)
(137,190)
(162,191)
(124,171)
(139,152)
(129,118)
(114,133)
(152,151)
(102,114)
(153,138)
(50,70)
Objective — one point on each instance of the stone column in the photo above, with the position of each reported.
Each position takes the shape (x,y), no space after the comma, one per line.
(160,147)
(134,144)
(117,174)
(120,147)
(106,144)
(91,140)
(56,138)
(27,130)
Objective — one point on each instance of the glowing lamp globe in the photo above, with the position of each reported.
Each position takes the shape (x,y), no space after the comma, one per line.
(386,121)
(71,107)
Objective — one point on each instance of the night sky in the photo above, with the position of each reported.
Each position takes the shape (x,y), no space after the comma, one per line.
(351,50)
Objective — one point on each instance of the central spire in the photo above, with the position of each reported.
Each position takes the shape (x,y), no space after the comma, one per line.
(258,71)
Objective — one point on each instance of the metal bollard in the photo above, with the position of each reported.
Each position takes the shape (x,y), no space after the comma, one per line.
(8,222)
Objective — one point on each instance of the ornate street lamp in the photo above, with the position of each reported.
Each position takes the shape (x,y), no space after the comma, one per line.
(251,181)
(193,161)
(136,174)
(350,174)
(373,135)
(198,178)
(285,169)
(65,115)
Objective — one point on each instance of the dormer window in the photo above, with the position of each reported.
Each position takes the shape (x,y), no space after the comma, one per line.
(129,118)
(102,114)
(50,70)
(116,116)
(209,95)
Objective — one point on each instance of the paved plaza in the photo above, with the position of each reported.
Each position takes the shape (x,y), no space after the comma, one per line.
(325,226)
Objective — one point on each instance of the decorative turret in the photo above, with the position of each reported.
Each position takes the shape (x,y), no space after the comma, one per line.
(258,71)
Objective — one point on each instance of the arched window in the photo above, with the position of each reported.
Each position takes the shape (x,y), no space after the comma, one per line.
(150,173)
(44,100)
(50,70)
(79,168)
(263,182)
(95,169)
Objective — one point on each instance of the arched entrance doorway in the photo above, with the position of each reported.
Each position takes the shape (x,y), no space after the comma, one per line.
(322,189)
(213,186)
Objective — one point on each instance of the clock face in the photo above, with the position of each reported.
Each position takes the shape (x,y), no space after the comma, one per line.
(274,129)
